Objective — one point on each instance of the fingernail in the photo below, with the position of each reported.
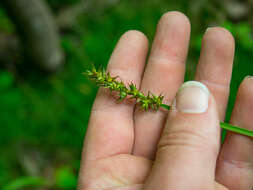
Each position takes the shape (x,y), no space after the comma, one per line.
(208,28)
(192,97)
(248,77)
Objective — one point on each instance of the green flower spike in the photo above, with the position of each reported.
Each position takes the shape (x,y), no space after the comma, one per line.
(104,79)
(151,101)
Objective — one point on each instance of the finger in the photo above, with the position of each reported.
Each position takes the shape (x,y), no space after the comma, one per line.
(115,172)
(220,187)
(110,130)
(215,65)
(189,145)
(164,74)
(235,164)
(129,187)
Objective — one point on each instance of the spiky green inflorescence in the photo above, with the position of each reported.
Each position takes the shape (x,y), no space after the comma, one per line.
(104,79)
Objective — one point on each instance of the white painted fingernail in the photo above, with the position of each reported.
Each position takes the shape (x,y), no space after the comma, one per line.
(192,97)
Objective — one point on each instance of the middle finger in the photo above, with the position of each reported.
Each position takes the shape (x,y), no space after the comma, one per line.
(164,73)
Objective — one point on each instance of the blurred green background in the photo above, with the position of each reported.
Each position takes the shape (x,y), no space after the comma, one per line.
(43,117)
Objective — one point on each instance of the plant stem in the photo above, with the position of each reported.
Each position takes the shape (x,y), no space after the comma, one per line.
(165,106)
(236,129)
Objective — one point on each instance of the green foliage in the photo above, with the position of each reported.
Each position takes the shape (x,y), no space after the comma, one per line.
(65,178)
(5,24)
(24,182)
(50,113)
(6,80)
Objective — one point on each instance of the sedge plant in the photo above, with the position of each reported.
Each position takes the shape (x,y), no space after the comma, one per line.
(146,102)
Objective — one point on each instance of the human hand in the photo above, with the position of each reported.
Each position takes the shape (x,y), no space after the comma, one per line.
(129,149)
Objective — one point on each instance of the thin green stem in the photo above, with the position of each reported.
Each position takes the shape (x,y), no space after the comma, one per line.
(236,129)
(165,106)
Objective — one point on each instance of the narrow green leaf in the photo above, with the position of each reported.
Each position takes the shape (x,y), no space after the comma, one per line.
(236,129)
(27,181)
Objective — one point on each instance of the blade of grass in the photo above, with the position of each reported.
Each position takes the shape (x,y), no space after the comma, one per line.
(25,182)
(236,129)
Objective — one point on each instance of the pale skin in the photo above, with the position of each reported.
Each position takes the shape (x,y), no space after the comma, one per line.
(128,149)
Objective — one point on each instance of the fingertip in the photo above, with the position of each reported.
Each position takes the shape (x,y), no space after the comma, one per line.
(177,18)
(129,55)
(221,30)
(221,40)
(243,100)
(192,97)
(247,81)
(135,37)
(172,37)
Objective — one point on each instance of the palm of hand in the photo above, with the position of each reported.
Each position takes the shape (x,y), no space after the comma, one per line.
(127,148)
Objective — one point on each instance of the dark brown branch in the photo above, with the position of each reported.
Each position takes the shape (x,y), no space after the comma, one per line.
(9,48)
(38,32)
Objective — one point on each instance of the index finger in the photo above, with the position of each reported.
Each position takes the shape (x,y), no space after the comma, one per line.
(110,130)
